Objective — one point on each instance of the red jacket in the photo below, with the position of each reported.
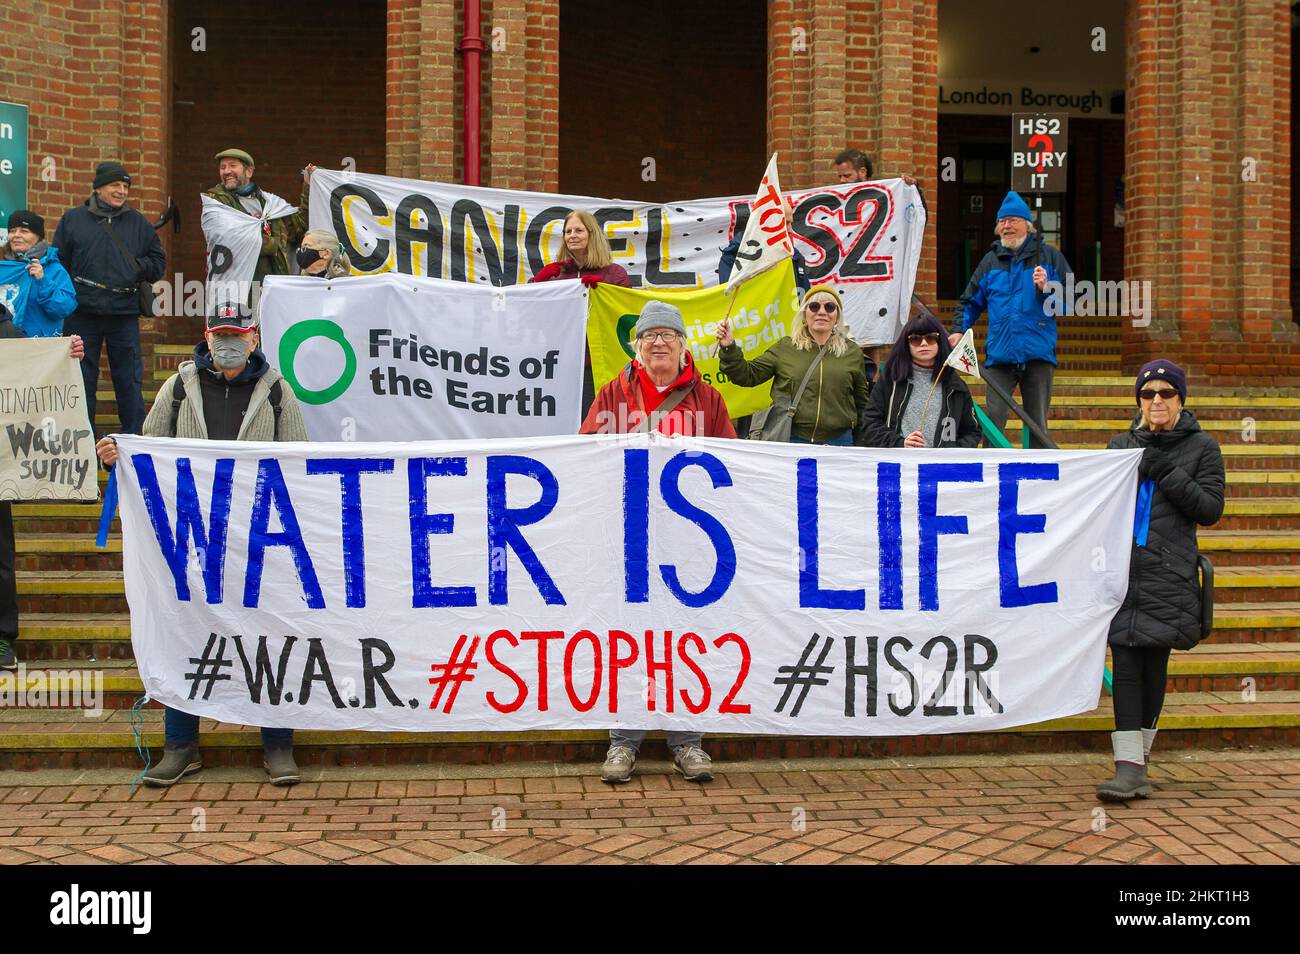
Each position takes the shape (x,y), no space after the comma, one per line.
(611,274)
(621,405)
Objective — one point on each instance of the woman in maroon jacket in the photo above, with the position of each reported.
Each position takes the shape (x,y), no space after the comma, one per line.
(586,256)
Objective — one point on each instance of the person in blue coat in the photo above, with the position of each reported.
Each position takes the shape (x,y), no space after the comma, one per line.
(36,287)
(1011,283)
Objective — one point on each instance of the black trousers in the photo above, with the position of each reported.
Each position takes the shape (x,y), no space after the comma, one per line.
(121,335)
(8,579)
(1138,686)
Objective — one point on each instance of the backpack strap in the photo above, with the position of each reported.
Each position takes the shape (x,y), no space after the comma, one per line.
(178,398)
(274,398)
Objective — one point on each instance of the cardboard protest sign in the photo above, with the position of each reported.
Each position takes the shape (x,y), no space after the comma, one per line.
(47,451)
(1040,152)
(623,581)
(762,313)
(863,237)
(398,358)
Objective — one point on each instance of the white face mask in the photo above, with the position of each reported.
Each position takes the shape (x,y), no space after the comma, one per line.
(229,353)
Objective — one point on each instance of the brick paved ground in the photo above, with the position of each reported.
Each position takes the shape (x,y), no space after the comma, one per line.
(1210,807)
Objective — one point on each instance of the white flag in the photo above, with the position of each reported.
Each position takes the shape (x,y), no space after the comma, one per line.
(234,242)
(767,237)
(963,356)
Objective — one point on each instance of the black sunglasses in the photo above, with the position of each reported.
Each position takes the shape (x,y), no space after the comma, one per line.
(930,337)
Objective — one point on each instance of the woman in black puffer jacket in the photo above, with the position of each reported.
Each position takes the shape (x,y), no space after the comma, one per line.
(1162,610)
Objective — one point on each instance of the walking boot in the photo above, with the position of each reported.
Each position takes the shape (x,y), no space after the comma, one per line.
(280,765)
(1130,779)
(177,762)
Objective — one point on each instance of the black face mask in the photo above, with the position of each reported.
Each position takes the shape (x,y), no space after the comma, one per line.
(308,257)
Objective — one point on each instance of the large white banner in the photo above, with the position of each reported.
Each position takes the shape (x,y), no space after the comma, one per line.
(47,451)
(398,358)
(863,237)
(625,580)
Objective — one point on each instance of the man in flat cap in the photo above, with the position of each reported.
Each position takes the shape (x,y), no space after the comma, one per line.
(237,190)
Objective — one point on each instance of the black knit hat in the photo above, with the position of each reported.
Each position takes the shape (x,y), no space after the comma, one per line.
(1161,370)
(110,171)
(27,219)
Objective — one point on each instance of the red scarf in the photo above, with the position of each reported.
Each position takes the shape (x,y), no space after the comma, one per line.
(676,421)
(651,396)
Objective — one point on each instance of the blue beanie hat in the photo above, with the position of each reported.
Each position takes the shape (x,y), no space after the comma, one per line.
(1014,205)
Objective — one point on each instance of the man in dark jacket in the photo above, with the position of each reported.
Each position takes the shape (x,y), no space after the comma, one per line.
(8,576)
(1182,485)
(109,250)
(1011,282)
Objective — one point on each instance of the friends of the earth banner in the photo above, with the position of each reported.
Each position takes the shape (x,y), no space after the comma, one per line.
(763,310)
(47,451)
(623,580)
(863,237)
(399,358)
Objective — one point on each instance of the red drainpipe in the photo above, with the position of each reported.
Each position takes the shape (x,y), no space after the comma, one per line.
(472,46)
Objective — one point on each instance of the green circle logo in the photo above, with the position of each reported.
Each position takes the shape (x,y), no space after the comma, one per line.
(292,341)
(624,329)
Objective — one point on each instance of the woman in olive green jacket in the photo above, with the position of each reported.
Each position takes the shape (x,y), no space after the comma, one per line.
(836,395)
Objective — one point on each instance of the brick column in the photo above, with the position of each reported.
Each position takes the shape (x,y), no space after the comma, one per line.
(145,128)
(422,129)
(1208,86)
(868,78)
(523,126)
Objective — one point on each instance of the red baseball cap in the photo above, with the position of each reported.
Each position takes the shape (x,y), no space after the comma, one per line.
(231,316)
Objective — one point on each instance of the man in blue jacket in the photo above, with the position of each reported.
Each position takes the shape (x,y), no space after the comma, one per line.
(110,249)
(34,286)
(1020,348)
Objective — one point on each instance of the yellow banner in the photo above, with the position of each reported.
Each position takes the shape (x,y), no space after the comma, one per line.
(762,314)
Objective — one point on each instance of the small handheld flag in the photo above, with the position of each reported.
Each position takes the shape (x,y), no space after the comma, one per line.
(963,357)
(766,241)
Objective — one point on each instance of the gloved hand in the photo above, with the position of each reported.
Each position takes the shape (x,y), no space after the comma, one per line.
(591,281)
(548,273)
(1155,464)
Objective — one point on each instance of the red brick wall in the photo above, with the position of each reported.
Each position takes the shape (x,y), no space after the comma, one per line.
(1295,193)
(288,88)
(521,131)
(94,76)
(862,74)
(1208,85)
(685,89)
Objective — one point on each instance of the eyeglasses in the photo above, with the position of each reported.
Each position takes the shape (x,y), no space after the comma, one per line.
(656,336)
(930,337)
(1150,394)
(829,306)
